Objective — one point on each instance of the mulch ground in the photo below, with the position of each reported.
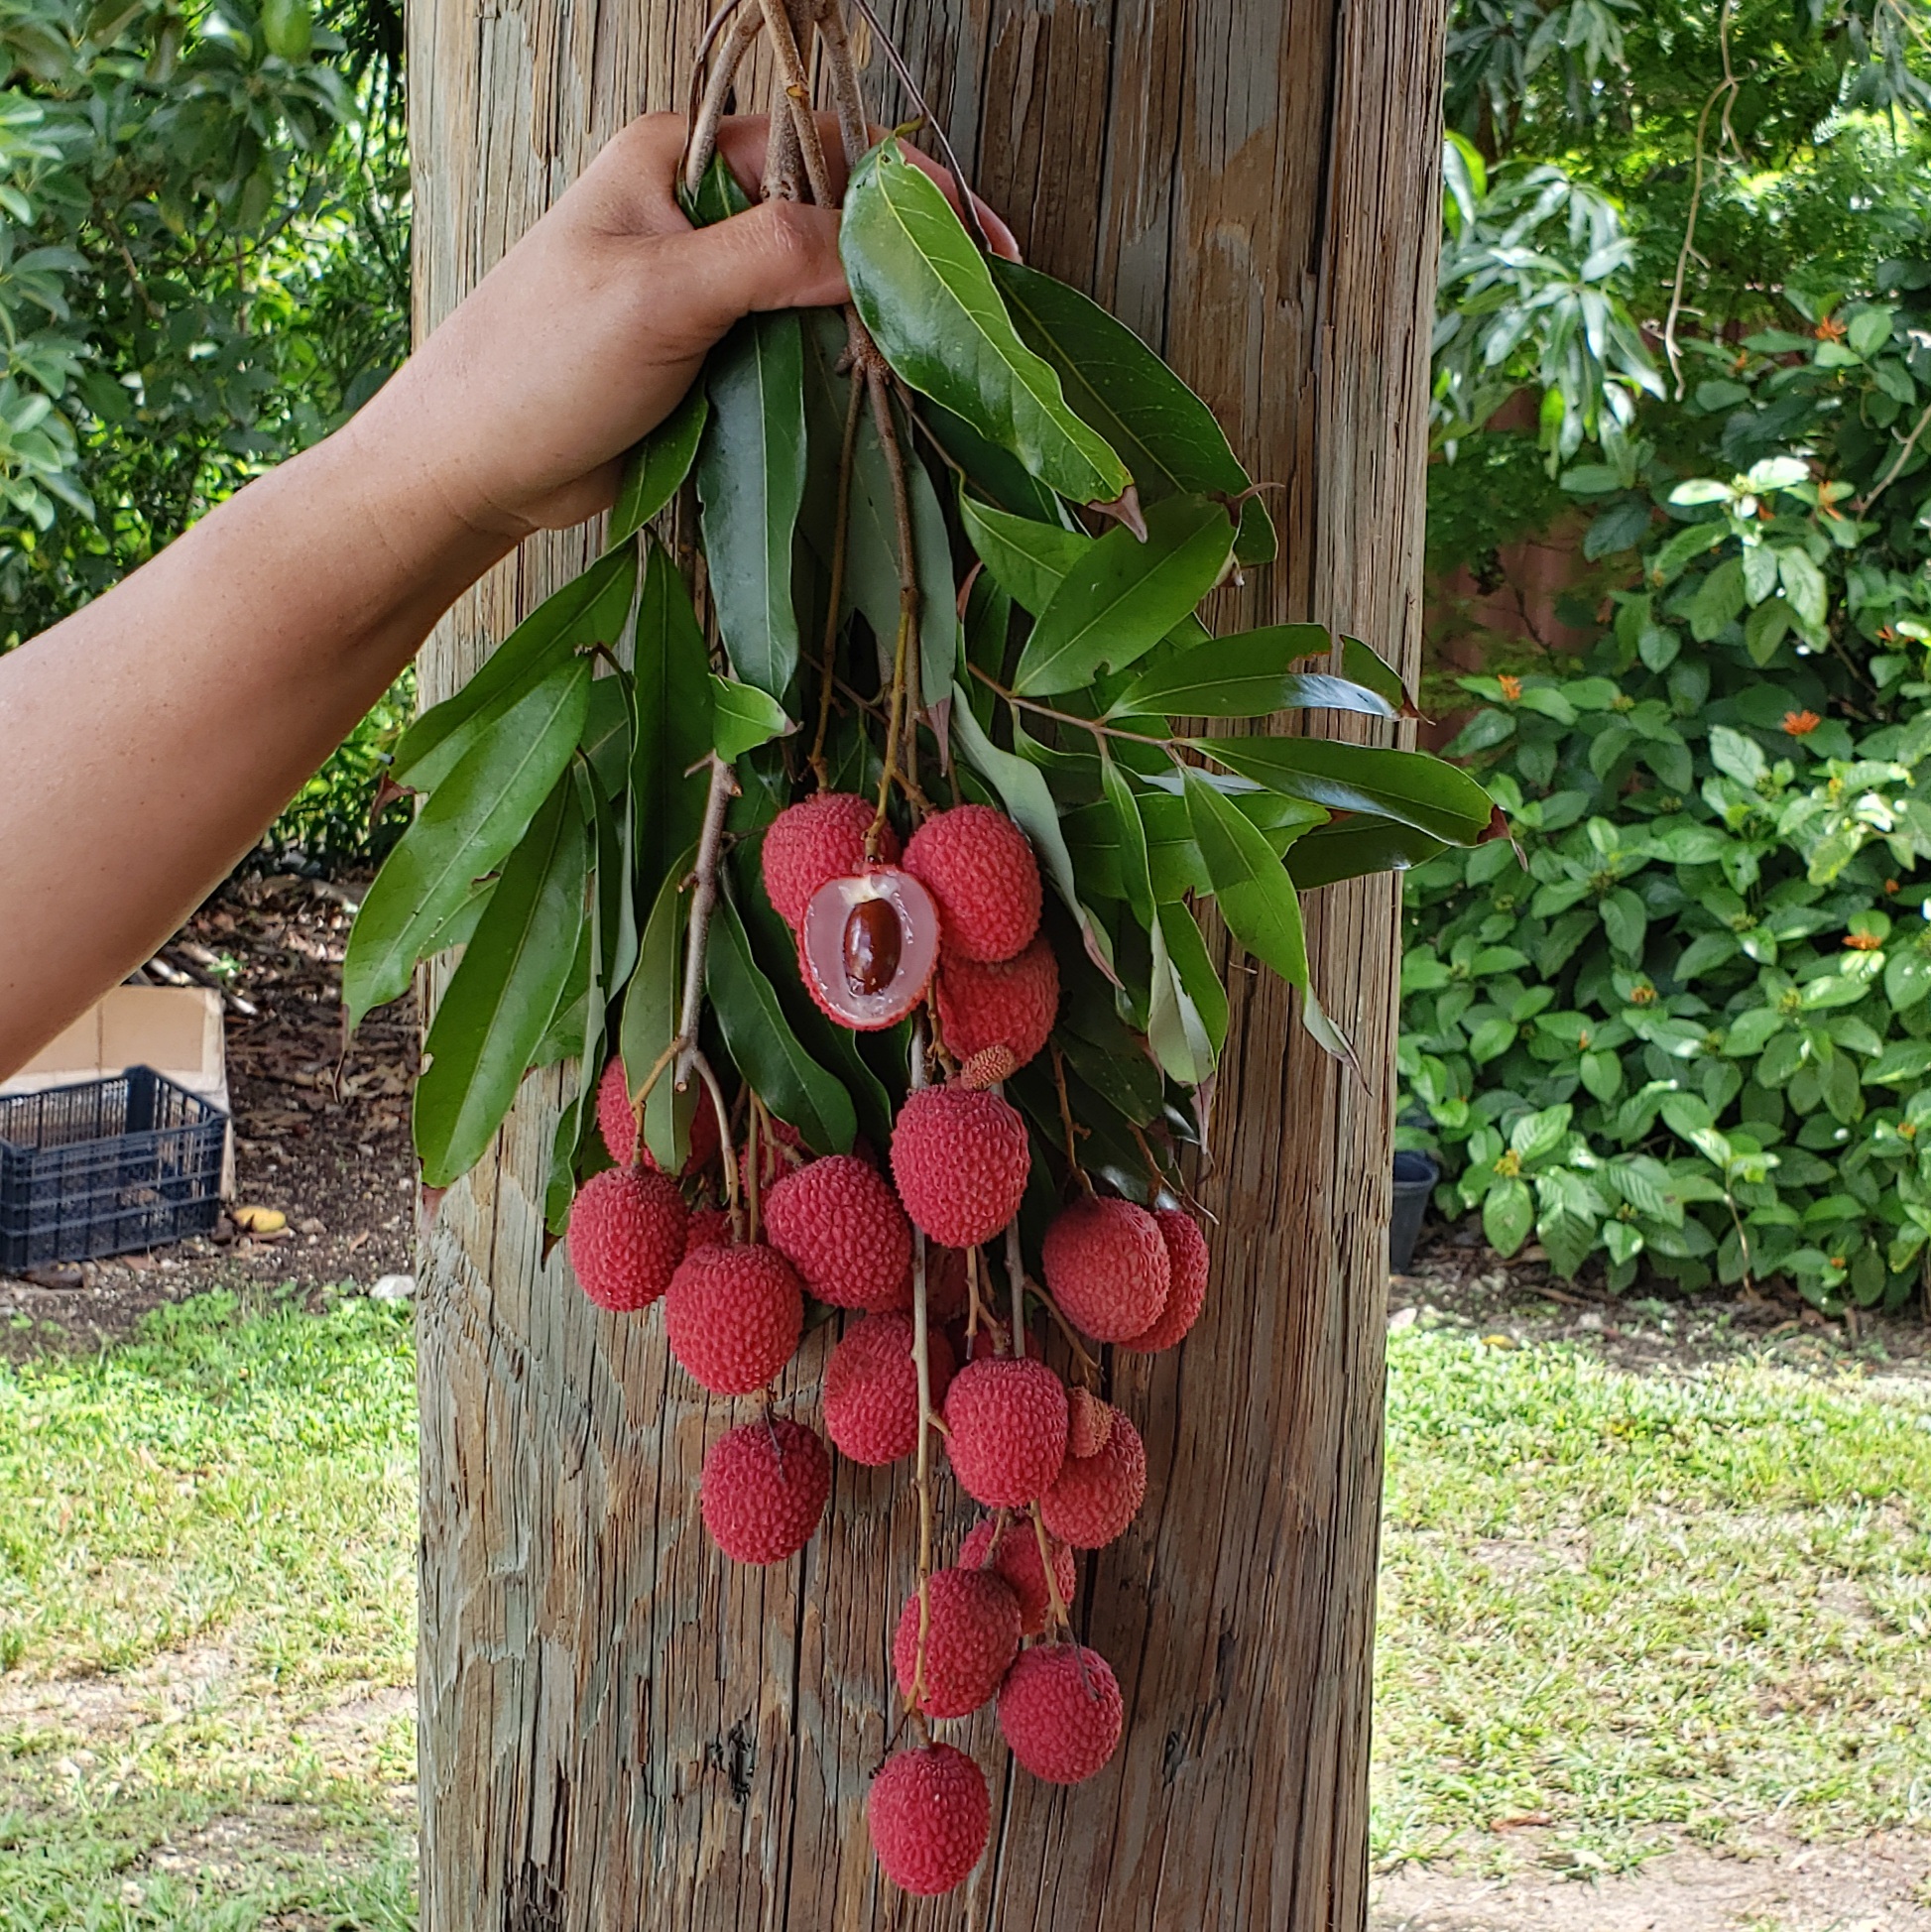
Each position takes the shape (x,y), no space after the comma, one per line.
(321,1127)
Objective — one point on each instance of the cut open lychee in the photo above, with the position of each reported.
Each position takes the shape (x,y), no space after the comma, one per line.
(868,946)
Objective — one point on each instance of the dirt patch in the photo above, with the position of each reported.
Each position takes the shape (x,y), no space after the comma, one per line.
(322,1131)
(1880,1884)
(1649,1330)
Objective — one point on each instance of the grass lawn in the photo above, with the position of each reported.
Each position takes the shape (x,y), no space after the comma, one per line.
(1628,1608)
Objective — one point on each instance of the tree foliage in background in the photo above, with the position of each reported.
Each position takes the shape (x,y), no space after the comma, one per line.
(1691,1036)
(203,269)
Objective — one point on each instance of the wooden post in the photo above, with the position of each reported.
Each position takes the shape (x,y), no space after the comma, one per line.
(620,1730)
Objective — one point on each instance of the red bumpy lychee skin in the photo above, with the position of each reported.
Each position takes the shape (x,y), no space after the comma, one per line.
(733,1316)
(1095,1497)
(1014,1554)
(872,1389)
(1007,1425)
(1060,1711)
(839,1224)
(1186,1253)
(709,1228)
(960,1160)
(972,1636)
(1106,1264)
(930,1815)
(618,1126)
(627,1237)
(1011,1003)
(1089,1422)
(764,1490)
(814,840)
(978,867)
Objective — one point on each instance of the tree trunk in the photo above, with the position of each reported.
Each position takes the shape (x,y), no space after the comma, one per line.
(618,1728)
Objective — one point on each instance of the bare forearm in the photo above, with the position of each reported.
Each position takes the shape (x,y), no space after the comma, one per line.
(151,736)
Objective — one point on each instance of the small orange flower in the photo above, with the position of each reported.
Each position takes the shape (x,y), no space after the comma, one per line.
(1829,329)
(1892,887)
(1862,941)
(1512,687)
(1642,996)
(1800,724)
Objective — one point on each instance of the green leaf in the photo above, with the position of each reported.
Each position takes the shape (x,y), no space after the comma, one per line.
(1601,1073)
(1136,874)
(1176,1029)
(1751,1030)
(1625,919)
(1737,755)
(1537,1134)
(1165,433)
(1027,559)
(469,826)
(1507,1214)
(654,470)
(1124,594)
(1356,848)
(1258,899)
(1410,787)
(1907,978)
(1899,1064)
(751,468)
(1367,666)
(992,471)
(590,609)
(1023,789)
(499,1004)
(1804,587)
(1246,675)
(743,717)
(718,195)
(671,688)
(924,292)
(761,1042)
(649,1023)
(605,742)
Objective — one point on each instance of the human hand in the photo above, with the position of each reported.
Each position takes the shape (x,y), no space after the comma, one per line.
(517,410)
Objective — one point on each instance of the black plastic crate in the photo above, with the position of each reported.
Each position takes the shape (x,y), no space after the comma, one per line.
(104,1167)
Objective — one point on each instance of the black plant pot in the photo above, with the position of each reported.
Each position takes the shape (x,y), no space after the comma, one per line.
(1416,1176)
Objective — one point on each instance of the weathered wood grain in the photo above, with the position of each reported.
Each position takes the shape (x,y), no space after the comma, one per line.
(618,1730)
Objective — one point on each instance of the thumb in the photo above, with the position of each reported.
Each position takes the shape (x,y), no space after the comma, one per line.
(777,255)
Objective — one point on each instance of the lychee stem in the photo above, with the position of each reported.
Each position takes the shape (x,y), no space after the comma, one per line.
(841,528)
(1087,1364)
(854,129)
(702,1068)
(922,1360)
(1066,1118)
(975,1308)
(704,902)
(797,90)
(1053,1600)
(1016,1281)
(753,1158)
(708,111)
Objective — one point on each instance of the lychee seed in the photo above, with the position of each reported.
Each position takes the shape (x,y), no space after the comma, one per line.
(871,1396)
(1011,1003)
(625,1237)
(814,840)
(764,1490)
(930,1815)
(1106,1264)
(840,1225)
(1014,1554)
(960,1162)
(1006,1429)
(1186,1253)
(972,1634)
(1095,1497)
(1060,1711)
(733,1316)
(978,867)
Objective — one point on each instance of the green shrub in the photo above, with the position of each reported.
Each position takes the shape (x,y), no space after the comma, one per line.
(1694,1033)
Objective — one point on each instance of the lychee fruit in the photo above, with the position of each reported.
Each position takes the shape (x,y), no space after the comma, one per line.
(1060,1711)
(972,1634)
(1014,1554)
(814,840)
(619,1126)
(1186,1253)
(960,1160)
(1012,1003)
(1106,1263)
(978,867)
(839,1224)
(1088,1422)
(709,1227)
(1094,1497)
(930,1816)
(871,1394)
(1006,1423)
(868,946)
(733,1316)
(764,1490)
(625,1237)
